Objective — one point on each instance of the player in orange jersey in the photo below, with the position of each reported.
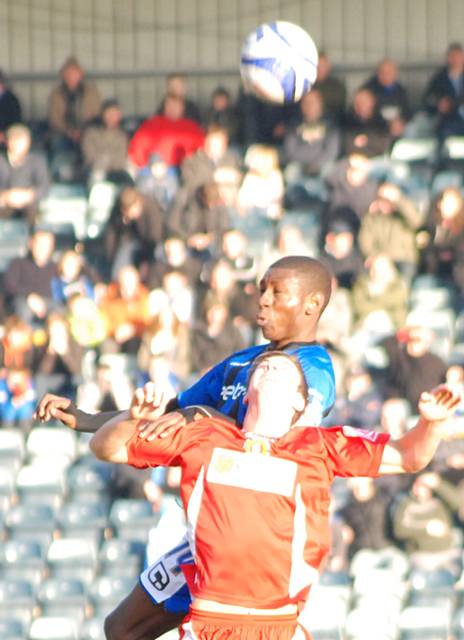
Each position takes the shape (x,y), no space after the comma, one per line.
(257,499)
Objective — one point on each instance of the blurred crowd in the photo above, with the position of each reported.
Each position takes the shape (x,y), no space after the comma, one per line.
(203,199)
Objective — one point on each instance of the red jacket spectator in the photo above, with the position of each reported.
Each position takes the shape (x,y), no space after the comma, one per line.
(171,135)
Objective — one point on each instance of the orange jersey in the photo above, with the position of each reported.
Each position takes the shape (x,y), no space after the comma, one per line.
(257,509)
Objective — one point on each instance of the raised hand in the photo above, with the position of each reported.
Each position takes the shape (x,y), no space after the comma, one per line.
(148,403)
(439,404)
(53,407)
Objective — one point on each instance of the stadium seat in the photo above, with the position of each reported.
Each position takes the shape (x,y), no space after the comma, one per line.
(89,480)
(366,623)
(445,179)
(452,153)
(41,483)
(7,489)
(424,623)
(31,522)
(414,150)
(335,599)
(12,449)
(64,211)
(92,629)
(14,236)
(132,519)
(63,597)
(439,581)
(25,553)
(121,558)
(53,628)
(102,197)
(17,599)
(83,520)
(11,628)
(55,442)
(107,591)
(73,558)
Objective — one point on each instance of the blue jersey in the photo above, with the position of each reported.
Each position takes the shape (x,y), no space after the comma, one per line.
(224,386)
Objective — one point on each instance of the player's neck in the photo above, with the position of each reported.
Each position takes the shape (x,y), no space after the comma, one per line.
(308,336)
(268,421)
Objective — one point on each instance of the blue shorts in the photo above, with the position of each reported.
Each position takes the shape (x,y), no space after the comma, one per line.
(164,581)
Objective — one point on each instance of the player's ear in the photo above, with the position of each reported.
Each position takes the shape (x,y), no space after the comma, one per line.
(245,398)
(299,402)
(314,303)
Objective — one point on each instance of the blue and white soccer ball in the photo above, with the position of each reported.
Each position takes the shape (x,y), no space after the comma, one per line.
(279,62)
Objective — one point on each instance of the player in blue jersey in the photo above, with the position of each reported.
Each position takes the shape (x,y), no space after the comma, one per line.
(293,293)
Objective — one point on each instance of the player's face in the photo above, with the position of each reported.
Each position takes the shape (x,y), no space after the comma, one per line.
(281,313)
(276,379)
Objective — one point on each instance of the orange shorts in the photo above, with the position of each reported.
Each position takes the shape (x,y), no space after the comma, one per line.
(204,625)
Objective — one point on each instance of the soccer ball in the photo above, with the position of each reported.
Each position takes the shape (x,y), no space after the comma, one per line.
(278,62)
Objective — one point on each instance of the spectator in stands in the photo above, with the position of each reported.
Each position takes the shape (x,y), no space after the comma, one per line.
(235,251)
(331,88)
(350,184)
(262,122)
(71,278)
(290,241)
(313,143)
(24,178)
(176,85)
(87,322)
(27,280)
(10,107)
(126,309)
(228,180)
(262,190)
(17,399)
(340,252)
(224,288)
(335,326)
(165,338)
(381,289)
(411,367)
(174,254)
(364,130)
(391,96)
(73,104)
(365,517)
(59,366)
(17,346)
(104,146)
(222,113)
(390,228)
(200,219)
(135,227)
(199,168)
(214,338)
(158,181)
(423,523)
(443,244)
(171,134)
(444,95)
(360,406)
(181,295)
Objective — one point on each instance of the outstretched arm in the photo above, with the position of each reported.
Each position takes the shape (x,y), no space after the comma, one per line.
(110,442)
(53,407)
(413,451)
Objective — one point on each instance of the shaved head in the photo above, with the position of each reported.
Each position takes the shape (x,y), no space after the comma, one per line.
(312,274)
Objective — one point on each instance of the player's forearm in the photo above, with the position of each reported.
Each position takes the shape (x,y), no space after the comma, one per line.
(91,422)
(418,446)
(109,442)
